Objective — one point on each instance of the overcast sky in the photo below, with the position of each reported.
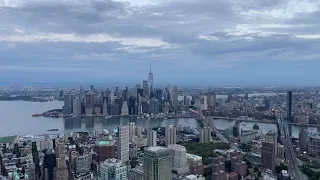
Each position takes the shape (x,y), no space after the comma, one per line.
(249,42)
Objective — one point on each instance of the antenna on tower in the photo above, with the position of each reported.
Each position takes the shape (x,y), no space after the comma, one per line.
(150,68)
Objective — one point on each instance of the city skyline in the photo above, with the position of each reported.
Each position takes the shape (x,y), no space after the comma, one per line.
(190,42)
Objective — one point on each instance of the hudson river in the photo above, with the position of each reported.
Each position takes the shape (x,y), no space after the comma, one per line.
(16,119)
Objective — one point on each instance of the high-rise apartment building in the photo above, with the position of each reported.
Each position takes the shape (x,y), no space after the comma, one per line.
(61,166)
(268,155)
(151,138)
(112,169)
(205,135)
(179,159)
(170,135)
(218,169)
(123,144)
(303,140)
(157,163)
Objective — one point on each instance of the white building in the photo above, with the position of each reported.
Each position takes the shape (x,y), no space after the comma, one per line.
(179,159)
(203,102)
(124,109)
(83,164)
(112,169)
(151,138)
(123,144)
(132,129)
(314,144)
(170,135)
(76,106)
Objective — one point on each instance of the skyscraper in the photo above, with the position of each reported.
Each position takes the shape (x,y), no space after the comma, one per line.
(179,158)
(89,105)
(171,135)
(105,149)
(76,106)
(83,164)
(211,100)
(61,166)
(157,163)
(132,129)
(124,109)
(145,89)
(150,81)
(289,106)
(268,155)
(175,98)
(303,138)
(205,135)
(105,106)
(151,138)
(123,144)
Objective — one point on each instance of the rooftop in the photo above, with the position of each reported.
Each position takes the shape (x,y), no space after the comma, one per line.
(157,148)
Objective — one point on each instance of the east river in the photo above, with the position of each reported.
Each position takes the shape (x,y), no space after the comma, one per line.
(16,119)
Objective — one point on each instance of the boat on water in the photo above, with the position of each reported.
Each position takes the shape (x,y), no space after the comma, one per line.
(53,130)
(36,115)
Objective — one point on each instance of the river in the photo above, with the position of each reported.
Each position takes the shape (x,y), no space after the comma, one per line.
(16,120)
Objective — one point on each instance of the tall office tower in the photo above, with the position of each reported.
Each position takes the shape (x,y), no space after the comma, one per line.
(154,106)
(157,163)
(89,105)
(105,106)
(91,87)
(303,139)
(83,164)
(112,169)
(145,89)
(124,109)
(272,136)
(132,106)
(111,96)
(123,144)
(125,94)
(116,92)
(205,135)
(150,81)
(268,155)
(76,106)
(61,168)
(49,165)
(314,144)
(151,138)
(175,98)
(179,159)
(132,129)
(171,135)
(104,149)
(211,100)
(289,106)
(68,102)
(203,103)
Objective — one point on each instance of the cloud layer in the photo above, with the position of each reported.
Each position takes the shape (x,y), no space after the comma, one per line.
(185,41)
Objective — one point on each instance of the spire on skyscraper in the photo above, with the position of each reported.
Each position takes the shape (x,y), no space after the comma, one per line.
(150,69)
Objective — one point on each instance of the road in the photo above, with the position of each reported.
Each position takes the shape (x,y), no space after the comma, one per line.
(293,168)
